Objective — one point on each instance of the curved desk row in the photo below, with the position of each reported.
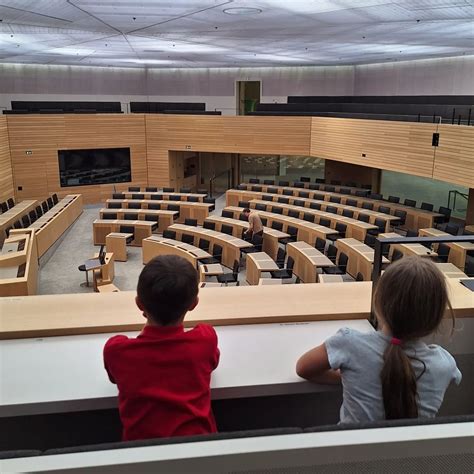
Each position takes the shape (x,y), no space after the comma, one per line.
(163,196)
(192,210)
(163,218)
(8,218)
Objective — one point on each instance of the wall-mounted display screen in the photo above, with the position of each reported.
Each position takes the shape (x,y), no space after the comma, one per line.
(94,166)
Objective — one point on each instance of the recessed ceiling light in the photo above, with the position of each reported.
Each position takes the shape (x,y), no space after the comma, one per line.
(242,11)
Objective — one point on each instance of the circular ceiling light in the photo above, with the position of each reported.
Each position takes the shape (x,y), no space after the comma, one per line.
(242,11)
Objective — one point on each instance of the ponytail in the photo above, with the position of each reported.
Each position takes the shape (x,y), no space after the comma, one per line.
(398,384)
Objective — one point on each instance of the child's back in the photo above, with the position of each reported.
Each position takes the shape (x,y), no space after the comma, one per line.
(163,375)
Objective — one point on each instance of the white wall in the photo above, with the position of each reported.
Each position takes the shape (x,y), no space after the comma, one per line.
(216,87)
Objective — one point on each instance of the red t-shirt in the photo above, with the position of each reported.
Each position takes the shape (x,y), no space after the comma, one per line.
(163,377)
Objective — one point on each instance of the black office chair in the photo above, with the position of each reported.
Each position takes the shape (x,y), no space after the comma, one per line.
(368,205)
(256,189)
(168,190)
(402,217)
(154,205)
(293,231)
(443,253)
(39,211)
(359,277)
(277,210)
(284,273)
(298,202)
(409,202)
(185,190)
(192,222)
(130,216)
(412,233)
(117,196)
(196,199)
(4,206)
(298,184)
(340,268)
(11,203)
(283,200)
(281,257)
(157,197)
(363,218)
(7,231)
(305,179)
(187,239)
(55,198)
(380,223)
(209,225)
(32,215)
(174,207)
(330,189)
(152,218)
(244,217)
(320,244)
(315,205)
(325,222)
(255,181)
(257,242)
(344,191)
(351,202)
(341,229)
(50,202)
(446,215)
(308,217)
(174,197)
(469,268)
(293,213)
(132,189)
(394,199)
(452,229)
(287,192)
(138,196)
(376,196)
(384,209)
(331,252)
(331,209)
(369,240)
(320,180)
(361,193)
(269,181)
(128,229)
(272,190)
(25,221)
(169,234)
(303,194)
(115,205)
(134,205)
(396,255)
(348,213)
(149,189)
(216,256)
(17,225)
(335,199)
(227,229)
(229,214)
(204,244)
(314,187)
(426,206)
(283,183)
(267,197)
(233,277)
(277,226)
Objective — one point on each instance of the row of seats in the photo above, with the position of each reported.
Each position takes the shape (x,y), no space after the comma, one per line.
(319,184)
(154,189)
(34,214)
(383,99)
(8,204)
(137,205)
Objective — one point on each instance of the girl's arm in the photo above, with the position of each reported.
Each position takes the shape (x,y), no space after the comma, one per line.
(314,366)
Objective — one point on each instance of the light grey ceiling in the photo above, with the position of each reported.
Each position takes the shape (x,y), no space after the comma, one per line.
(205,33)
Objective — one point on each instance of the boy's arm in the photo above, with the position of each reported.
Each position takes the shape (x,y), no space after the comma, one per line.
(107,354)
(314,366)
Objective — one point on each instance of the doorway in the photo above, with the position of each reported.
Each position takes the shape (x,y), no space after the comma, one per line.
(248,96)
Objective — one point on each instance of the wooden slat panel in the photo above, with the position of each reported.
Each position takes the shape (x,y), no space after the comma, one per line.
(6,175)
(396,146)
(454,157)
(44,135)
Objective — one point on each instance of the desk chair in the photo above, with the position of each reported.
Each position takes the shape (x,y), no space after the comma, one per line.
(376,196)
(17,225)
(426,206)
(281,257)
(10,202)
(185,190)
(257,242)
(7,231)
(331,253)
(298,184)
(233,277)
(308,217)
(192,222)
(303,194)
(351,202)
(128,229)
(409,202)
(394,199)
(314,187)
(151,189)
(187,239)
(138,196)
(227,229)
(157,197)
(325,222)
(4,206)
(194,199)
(39,211)
(255,181)
(344,191)
(152,218)
(209,200)
(114,205)
(269,181)
(128,216)
(412,233)
(320,180)
(117,196)
(380,223)
(216,256)
(155,206)
(320,244)
(204,244)
(55,198)
(169,234)
(272,190)
(341,229)
(284,273)
(32,215)
(446,215)
(25,221)
(402,217)
(369,240)
(228,214)
(293,213)
(134,205)
(277,226)
(363,218)
(315,205)
(443,253)
(256,189)
(277,210)
(260,207)
(469,268)
(168,190)
(305,179)
(396,255)
(244,204)
(298,202)
(209,225)
(335,199)
(243,217)
(267,197)
(452,229)
(264,221)
(318,197)
(132,189)
(287,192)
(50,202)
(348,213)
(283,200)
(331,209)
(340,268)
(293,231)
(330,189)
(384,209)
(283,183)
(367,205)
(361,193)
(173,197)
(174,207)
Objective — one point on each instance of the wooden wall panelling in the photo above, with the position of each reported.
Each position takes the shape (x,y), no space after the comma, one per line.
(6,173)
(454,157)
(397,146)
(38,173)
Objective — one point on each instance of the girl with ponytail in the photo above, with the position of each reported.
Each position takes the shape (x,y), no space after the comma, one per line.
(391,373)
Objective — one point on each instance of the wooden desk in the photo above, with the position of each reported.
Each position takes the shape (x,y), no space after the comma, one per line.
(469,228)
(270,281)
(210,270)
(116,243)
(354,228)
(103,227)
(13,261)
(307,231)
(417,250)
(52,224)
(163,217)
(154,246)
(307,261)
(271,237)
(416,218)
(257,263)
(451,271)
(104,274)
(361,257)
(14,214)
(166,196)
(192,210)
(457,252)
(231,246)
(325,278)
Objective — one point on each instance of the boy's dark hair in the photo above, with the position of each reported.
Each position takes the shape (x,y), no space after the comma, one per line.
(246,209)
(167,287)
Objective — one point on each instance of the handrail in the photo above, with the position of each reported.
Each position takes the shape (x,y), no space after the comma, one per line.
(381,243)
(229,173)
(456,193)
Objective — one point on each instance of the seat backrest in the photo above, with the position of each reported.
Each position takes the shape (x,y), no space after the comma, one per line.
(271,190)
(293,231)
(396,255)
(315,205)
(185,190)
(359,277)
(452,229)
(298,202)
(187,238)
(256,189)
(409,202)
(298,184)
(50,202)
(173,197)
(283,183)
(257,240)
(288,192)
(127,229)
(283,200)
(320,180)
(157,197)
(254,181)
(376,196)
(318,197)
(303,194)
(196,199)
(168,190)
(134,205)
(345,191)
(394,199)
(235,268)
(369,240)
(241,187)
(320,244)
(277,225)
(10,202)
(332,250)
(426,206)
(26,221)
(130,216)
(293,213)
(154,205)
(269,181)
(305,179)
(260,207)
(380,223)
(348,213)
(209,225)
(4,206)
(335,199)
(384,209)
(173,207)
(192,222)
(151,218)
(443,250)
(243,217)
(367,205)
(217,250)
(308,217)
(134,188)
(446,211)
(343,259)
(411,233)
(267,197)
(39,211)
(325,222)
(290,263)
(314,186)
(351,202)
(280,258)
(169,234)
(138,196)
(17,225)
(341,228)
(149,189)
(229,214)
(117,196)
(330,189)
(114,205)
(227,229)
(331,209)
(400,213)
(204,244)
(32,215)
(363,218)
(277,210)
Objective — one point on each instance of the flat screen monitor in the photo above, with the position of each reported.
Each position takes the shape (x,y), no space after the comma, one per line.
(94,166)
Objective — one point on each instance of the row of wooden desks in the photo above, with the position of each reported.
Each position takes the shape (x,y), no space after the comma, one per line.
(164,195)
(163,217)
(102,227)
(7,219)
(192,210)
(416,218)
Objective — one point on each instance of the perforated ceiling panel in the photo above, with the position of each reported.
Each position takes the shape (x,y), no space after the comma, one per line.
(219,33)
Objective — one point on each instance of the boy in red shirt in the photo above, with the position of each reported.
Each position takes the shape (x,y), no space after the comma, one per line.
(163,375)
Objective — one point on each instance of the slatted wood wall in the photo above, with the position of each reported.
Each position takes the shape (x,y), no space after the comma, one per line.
(6,175)
(38,174)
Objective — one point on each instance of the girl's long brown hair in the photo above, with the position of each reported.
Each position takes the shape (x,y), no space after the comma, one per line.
(411,298)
